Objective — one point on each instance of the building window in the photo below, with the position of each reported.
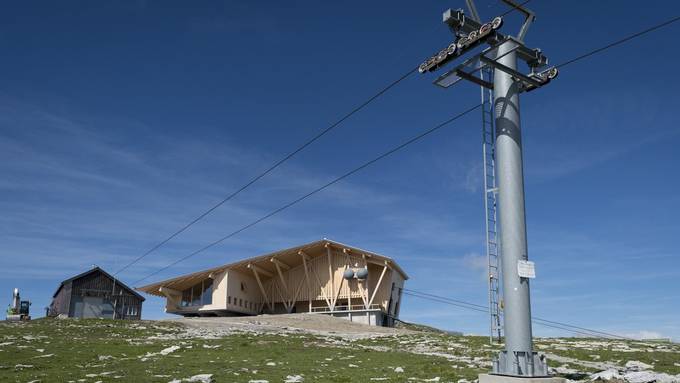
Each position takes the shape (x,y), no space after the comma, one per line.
(131,311)
(186,298)
(197,295)
(229,299)
(206,297)
(240,302)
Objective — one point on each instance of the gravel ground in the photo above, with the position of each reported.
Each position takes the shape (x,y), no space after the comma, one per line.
(316,324)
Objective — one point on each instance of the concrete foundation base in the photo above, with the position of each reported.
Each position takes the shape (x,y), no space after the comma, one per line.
(488,378)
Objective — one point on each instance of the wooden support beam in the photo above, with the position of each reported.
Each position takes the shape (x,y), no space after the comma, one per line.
(331,277)
(283,299)
(349,296)
(305,258)
(260,270)
(309,288)
(297,293)
(377,286)
(364,297)
(364,293)
(379,263)
(278,271)
(281,264)
(259,282)
(337,294)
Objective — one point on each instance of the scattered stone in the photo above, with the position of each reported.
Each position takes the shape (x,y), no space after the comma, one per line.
(635,365)
(201,378)
(169,350)
(294,379)
(399,370)
(606,375)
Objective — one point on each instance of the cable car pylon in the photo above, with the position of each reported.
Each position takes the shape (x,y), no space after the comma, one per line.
(495,69)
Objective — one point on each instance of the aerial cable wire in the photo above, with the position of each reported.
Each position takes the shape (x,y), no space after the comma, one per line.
(482,308)
(620,41)
(577,58)
(486,312)
(319,189)
(540,321)
(281,161)
(271,168)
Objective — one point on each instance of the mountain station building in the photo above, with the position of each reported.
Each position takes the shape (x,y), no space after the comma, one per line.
(324,277)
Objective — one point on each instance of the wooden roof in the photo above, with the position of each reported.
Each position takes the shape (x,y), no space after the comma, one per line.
(289,256)
(98,269)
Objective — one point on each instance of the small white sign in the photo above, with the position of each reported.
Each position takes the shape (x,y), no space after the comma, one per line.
(526,269)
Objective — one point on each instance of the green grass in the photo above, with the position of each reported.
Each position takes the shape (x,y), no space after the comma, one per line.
(665,357)
(77,346)
(125,351)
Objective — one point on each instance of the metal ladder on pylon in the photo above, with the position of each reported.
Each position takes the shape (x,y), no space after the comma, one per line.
(490,207)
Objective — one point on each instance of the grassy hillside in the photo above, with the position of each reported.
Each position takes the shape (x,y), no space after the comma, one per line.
(147,351)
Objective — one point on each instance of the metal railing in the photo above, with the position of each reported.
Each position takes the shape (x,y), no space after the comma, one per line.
(321,309)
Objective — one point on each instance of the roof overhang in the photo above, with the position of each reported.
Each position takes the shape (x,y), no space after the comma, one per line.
(290,257)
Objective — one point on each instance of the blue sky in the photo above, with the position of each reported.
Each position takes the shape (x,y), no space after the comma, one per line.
(121,121)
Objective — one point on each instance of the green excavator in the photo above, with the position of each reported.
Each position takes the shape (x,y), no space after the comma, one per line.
(18,310)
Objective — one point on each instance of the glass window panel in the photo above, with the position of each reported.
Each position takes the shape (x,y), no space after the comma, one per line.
(186,298)
(196,295)
(206,297)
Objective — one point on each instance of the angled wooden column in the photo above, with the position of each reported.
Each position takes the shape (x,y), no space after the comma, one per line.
(377,286)
(363,284)
(331,277)
(309,288)
(256,270)
(337,294)
(283,299)
(294,300)
(280,265)
(316,276)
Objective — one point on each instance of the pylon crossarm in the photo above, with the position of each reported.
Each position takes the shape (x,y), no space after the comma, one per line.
(515,74)
(471,68)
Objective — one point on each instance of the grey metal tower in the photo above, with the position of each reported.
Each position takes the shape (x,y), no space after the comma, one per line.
(503,171)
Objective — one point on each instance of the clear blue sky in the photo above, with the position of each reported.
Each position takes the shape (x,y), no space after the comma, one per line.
(121,121)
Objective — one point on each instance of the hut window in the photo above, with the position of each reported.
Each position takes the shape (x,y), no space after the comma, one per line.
(206,297)
(186,298)
(199,294)
(196,295)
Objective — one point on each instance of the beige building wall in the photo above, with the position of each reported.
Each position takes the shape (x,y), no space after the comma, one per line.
(242,293)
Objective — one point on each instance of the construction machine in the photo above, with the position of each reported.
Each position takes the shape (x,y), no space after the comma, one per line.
(19,309)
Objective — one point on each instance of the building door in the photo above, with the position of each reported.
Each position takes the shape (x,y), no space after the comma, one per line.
(92,307)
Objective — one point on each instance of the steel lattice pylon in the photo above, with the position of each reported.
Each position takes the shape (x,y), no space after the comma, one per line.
(490,208)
